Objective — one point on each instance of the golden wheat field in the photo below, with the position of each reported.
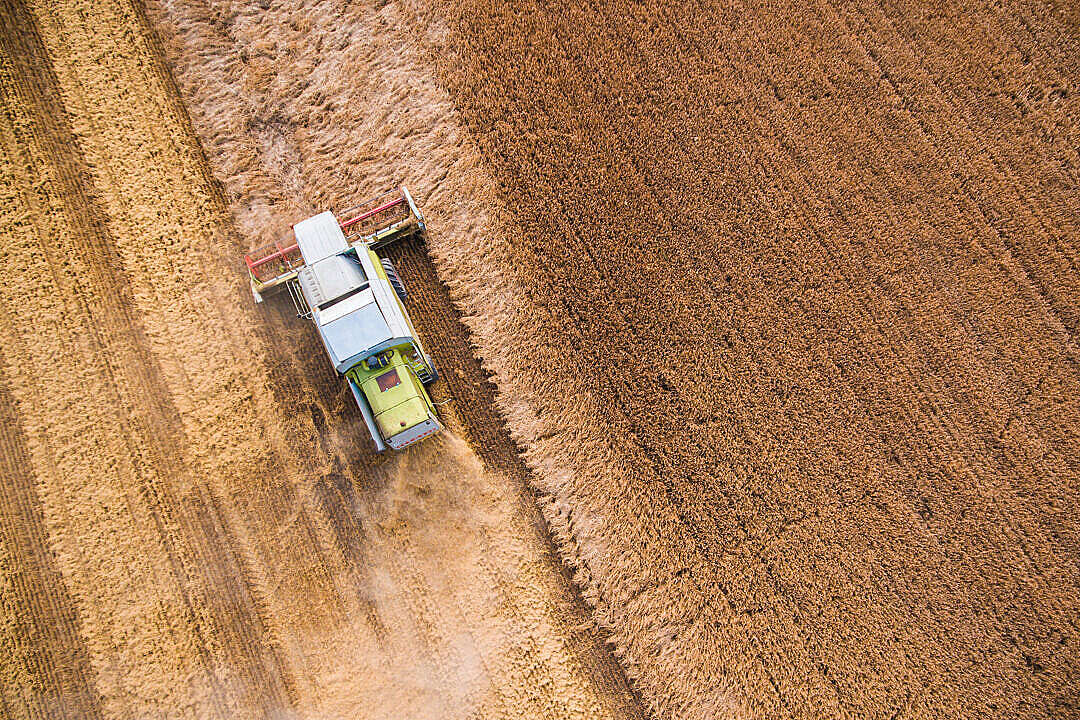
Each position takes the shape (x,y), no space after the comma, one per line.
(757,335)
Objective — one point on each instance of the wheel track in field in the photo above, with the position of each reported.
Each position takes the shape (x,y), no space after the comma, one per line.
(47,671)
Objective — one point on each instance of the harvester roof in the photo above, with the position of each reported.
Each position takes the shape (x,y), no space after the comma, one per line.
(319,237)
(351,333)
(354,309)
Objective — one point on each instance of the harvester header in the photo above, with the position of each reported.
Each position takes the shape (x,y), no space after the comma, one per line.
(376,223)
(356,301)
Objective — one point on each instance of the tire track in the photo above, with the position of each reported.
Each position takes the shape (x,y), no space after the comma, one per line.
(47,671)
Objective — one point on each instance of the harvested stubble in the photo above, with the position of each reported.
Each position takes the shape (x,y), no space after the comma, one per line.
(786,323)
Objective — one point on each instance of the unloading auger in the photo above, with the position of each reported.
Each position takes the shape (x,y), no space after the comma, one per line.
(356,301)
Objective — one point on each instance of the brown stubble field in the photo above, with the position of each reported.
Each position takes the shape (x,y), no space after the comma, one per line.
(786,324)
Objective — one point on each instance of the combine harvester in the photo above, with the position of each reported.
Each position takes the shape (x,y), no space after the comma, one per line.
(355,298)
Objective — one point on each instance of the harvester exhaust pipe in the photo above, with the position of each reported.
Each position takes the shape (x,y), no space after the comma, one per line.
(369,419)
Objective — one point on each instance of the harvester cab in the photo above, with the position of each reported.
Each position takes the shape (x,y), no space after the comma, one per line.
(356,301)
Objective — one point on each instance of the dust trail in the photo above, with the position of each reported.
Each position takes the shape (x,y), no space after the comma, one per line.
(442,559)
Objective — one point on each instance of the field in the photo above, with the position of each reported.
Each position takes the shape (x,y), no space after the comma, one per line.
(757,327)
(787,325)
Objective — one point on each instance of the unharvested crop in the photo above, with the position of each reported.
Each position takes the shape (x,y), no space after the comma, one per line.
(786,323)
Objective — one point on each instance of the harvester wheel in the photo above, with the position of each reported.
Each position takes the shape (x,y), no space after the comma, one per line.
(395,280)
(430,374)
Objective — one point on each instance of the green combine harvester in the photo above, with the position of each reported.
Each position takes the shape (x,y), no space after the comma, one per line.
(356,301)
